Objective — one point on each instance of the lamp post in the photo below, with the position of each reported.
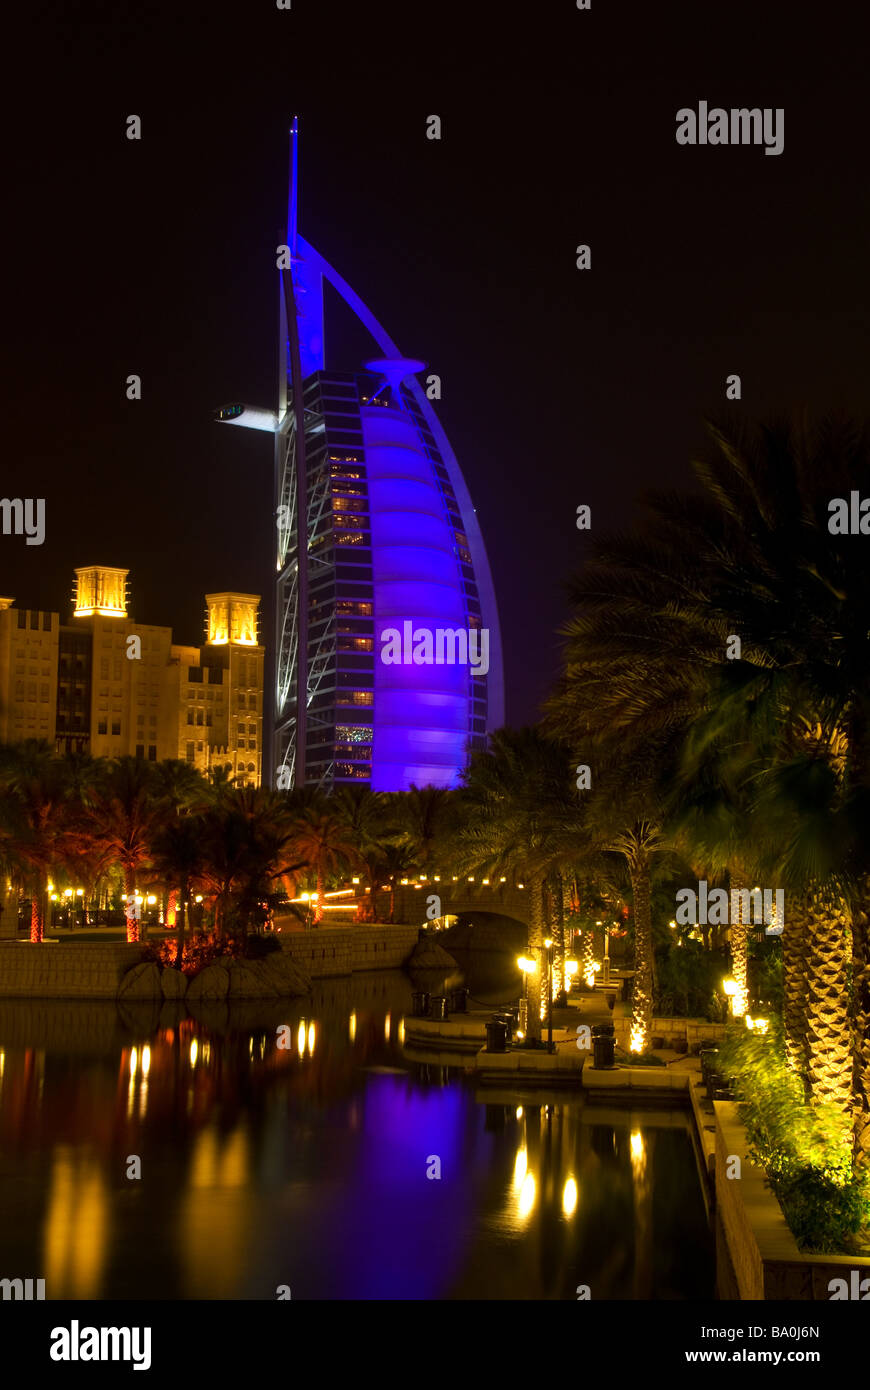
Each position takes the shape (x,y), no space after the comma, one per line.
(549,945)
(528,965)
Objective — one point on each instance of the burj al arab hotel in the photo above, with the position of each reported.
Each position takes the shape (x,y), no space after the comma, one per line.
(375,535)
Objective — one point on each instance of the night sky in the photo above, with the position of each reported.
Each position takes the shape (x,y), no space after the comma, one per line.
(560,387)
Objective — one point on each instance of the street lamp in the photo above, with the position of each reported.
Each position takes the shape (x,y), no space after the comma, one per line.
(549,947)
(528,965)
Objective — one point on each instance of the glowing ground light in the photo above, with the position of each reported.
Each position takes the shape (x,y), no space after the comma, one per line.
(146,1060)
(387,1027)
(134,1060)
(637,1144)
(569,1197)
(311,1039)
(300,1038)
(194,1052)
(401,1032)
(351,1027)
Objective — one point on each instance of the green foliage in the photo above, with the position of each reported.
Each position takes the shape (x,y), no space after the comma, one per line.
(688,978)
(805,1149)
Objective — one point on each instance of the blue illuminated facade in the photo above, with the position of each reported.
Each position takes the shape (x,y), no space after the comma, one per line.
(370,495)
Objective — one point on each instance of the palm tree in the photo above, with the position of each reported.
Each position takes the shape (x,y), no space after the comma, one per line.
(656,635)
(364,814)
(177,853)
(519,815)
(324,843)
(248,842)
(424,818)
(125,815)
(35,818)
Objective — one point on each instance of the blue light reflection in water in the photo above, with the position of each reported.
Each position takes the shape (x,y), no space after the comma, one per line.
(308,1167)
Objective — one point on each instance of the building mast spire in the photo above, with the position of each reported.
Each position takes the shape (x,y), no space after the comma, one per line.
(301,479)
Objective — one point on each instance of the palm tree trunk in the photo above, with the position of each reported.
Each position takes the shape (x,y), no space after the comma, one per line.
(794,982)
(828,1032)
(179,922)
(860,1018)
(738,936)
(318,906)
(37,910)
(130,905)
(537,979)
(641,998)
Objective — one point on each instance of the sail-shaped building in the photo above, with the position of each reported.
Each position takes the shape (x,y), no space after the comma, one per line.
(376,535)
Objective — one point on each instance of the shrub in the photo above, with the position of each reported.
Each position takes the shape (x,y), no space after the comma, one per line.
(804,1148)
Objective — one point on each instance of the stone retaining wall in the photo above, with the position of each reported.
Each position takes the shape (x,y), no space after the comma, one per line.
(69,971)
(679,1034)
(72,970)
(328,951)
(764,1256)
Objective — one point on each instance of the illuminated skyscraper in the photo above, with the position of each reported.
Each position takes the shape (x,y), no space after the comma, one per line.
(369,493)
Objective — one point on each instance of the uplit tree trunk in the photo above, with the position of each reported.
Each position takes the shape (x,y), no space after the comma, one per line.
(38,910)
(738,935)
(860,1018)
(130,905)
(180,922)
(794,983)
(537,980)
(829,1053)
(641,999)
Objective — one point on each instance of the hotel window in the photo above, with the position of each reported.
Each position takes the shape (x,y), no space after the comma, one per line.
(46,622)
(34,619)
(190,716)
(117,668)
(208,720)
(116,726)
(152,719)
(152,752)
(104,668)
(189,753)
(199,716)
(43,692)
(101,726)
(22,618)
(140,750)
(140,719)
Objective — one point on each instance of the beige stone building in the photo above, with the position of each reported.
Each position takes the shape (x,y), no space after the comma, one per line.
(104,684)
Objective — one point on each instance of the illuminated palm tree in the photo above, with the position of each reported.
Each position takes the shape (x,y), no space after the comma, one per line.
(125,816)
(324,843)
(35,811)
(519,815)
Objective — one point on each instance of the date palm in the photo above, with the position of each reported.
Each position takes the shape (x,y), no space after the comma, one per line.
(520,816)
(35,816)
(124,816)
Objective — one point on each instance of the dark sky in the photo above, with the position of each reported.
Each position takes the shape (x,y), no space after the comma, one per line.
(559,386)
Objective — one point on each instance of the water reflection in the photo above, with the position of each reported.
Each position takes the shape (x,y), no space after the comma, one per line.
(313,1163)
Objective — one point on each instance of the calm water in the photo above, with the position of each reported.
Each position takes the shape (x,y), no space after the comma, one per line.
(307,1166)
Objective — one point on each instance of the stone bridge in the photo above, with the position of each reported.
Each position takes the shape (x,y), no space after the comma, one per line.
(456,897)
